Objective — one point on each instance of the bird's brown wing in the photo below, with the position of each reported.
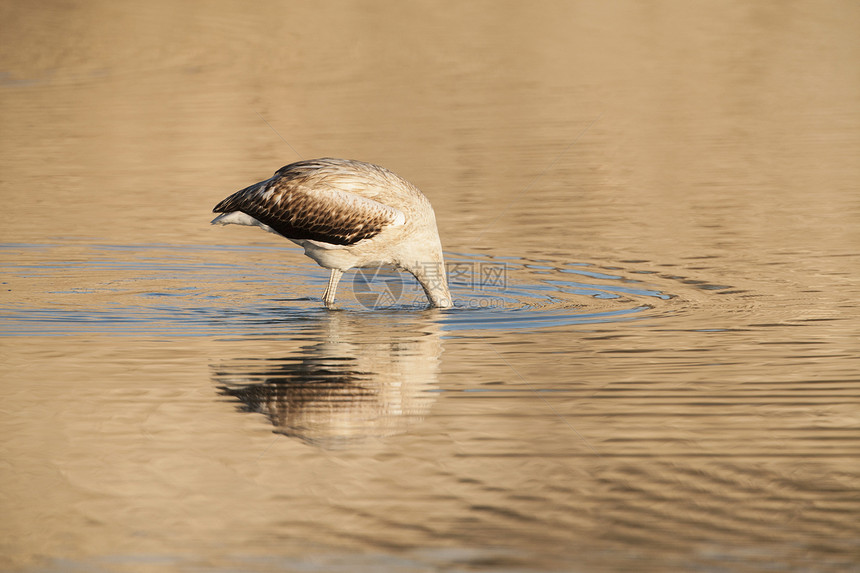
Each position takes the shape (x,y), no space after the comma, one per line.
(320,210)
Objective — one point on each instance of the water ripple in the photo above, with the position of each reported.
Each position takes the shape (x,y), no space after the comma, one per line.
(200,291)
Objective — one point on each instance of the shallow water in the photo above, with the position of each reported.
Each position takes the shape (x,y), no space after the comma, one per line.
(651,221)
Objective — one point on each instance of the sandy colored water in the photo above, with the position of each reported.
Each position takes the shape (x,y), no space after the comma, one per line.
(653,215)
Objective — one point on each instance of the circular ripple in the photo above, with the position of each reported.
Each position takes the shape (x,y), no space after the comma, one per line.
(504,293)
(158,289)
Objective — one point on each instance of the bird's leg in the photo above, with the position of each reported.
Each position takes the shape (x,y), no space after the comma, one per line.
(328,296)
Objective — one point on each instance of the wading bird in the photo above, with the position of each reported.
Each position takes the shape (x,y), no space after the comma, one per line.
(346,214)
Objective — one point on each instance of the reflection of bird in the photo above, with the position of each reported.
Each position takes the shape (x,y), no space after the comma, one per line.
(347,214)
(364,377)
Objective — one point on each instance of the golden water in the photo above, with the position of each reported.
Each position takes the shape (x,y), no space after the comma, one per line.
(653,210)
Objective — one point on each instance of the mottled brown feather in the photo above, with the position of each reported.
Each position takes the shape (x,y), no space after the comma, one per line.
(316,200)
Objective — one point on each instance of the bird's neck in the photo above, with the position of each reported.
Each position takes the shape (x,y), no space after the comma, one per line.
(434,280)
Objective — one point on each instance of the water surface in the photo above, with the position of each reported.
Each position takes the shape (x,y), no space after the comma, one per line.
(651,221)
